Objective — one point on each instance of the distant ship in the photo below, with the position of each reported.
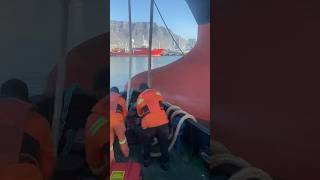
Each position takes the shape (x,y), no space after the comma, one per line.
(143,51)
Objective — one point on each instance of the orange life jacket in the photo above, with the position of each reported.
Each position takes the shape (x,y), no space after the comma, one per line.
(97,134)
(11,128)
(13,115)
(118,110)
(118,113)
(150,108)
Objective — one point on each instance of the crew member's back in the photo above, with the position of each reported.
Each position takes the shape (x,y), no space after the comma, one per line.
(154,123)
(26,144)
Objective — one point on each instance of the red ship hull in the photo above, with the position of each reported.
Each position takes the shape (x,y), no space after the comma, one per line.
(192,69)
(118,52)
(145,52)
(137,52)
(266,92)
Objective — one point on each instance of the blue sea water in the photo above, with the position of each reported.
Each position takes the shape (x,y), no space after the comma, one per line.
(119,67)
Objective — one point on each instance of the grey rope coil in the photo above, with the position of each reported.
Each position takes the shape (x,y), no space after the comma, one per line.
(176,133)
(171,108)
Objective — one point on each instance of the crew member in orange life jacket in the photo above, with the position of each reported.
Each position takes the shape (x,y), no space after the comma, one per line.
(97,132)
(154,124)
(26,145)
(118,113)
(96,128)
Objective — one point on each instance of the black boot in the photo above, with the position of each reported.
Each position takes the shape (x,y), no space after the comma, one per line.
(165,166)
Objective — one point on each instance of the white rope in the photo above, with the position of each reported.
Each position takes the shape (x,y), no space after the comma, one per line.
(176,133)
(168,28)
(177,112)
(172,108)
(185,117)
(168,111)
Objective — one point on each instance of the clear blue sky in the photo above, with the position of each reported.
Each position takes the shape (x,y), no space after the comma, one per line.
(176,13)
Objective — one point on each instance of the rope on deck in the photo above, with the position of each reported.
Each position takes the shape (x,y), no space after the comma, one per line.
(177,111)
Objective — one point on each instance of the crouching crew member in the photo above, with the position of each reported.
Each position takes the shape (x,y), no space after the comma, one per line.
(154,123)
(118,114)
(96,138)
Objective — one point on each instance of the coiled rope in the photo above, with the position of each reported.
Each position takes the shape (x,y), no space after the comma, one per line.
(177,110)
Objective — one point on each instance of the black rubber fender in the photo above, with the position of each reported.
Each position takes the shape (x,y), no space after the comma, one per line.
(226,165)
(251,173)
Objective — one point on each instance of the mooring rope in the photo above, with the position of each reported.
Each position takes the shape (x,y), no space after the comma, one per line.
(167,27)
(177,130)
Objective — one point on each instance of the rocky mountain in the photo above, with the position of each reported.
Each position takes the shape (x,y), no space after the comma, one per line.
(119,35)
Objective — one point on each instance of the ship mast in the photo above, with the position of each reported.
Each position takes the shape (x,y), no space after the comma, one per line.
(150,42)
(58,102)
(130,55)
